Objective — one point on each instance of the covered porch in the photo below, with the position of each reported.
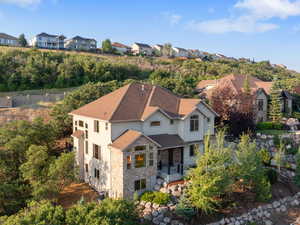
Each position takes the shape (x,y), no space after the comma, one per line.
(170,157)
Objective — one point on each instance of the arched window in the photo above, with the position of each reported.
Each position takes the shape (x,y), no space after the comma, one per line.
(194,123)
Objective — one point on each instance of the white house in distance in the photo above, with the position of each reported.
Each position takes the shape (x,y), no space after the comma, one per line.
(81,43)
(127,139)
(180,52)
(121,48)
(9,40)
(49,41)
(139,48)
(158,48)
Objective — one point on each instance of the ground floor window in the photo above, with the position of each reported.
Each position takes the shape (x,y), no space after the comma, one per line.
(86,168)
(193,149)
(96,173)
(140,184)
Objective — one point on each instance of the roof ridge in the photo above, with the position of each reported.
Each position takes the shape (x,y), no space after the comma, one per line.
(121,99)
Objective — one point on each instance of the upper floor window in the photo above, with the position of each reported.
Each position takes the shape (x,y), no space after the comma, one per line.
(155,124)
(96,126)
(96,151)
(140,160)
(86,147)
(194,123)
(86,126)
(140,148)
(80,123)
(86,134)
(140,184)
(260,104)
(76,122)
(128,162)
(106,126)
(171,122)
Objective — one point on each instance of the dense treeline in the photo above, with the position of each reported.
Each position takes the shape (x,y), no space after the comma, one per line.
(35,69)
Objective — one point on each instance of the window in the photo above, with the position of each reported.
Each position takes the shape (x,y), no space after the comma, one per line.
(140,184)
(86,134)
(106,126)
(140,160)
(128,160)
(86,147)
(76,123)
(96,173)
(194,123)
(260,105)
(155,124)
(86,168)
(96,126)
(86,126)
(140,148)
(80,123)
(171,121)
(193,149)
(75,128)
(151,161)
(96,151)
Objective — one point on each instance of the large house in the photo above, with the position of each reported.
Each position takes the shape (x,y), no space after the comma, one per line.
(127,139)
(180,52)
(80,43)
(9,40)
(48,41)
(259,89)
(144,49)
(121,48)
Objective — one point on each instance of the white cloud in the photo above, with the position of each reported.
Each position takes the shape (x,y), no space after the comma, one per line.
(252,16)
(22,3)
(172,18)
(270,8)
(243,24)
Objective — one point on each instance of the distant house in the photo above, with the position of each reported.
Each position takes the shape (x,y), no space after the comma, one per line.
(180,52)
(260,89)
(158,48)
(48,41)
(81,43)
(139,48)
(195,53)
(120,47)
(9,40)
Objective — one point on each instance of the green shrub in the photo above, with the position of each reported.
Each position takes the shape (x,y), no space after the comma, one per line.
(272,176)
(156,197)
(269,126)
(265,156)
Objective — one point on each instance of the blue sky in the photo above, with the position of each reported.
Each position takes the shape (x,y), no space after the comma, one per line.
(259,29)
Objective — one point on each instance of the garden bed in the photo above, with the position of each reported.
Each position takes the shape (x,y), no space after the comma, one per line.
(243,201)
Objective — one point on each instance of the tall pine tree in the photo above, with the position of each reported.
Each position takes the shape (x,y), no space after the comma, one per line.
(275,106)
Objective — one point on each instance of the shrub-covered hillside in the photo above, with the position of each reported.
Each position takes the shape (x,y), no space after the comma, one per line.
(24,69)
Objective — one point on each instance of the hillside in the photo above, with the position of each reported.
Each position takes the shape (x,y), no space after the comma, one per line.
(26,69)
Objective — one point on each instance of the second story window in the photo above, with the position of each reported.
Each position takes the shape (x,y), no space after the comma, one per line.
(96,126)
(260,105)
(128,162)
(171,122)
(96,151)
(106,126)
(155,124)
(140,148)
(194,123)
(86,134)
(140,160)
(80,123)
(86,147)
(86,126)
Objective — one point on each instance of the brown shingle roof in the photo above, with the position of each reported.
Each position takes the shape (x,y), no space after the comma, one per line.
(135,102)
(167,140)
(128,138)
(237,82)
(119,45)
